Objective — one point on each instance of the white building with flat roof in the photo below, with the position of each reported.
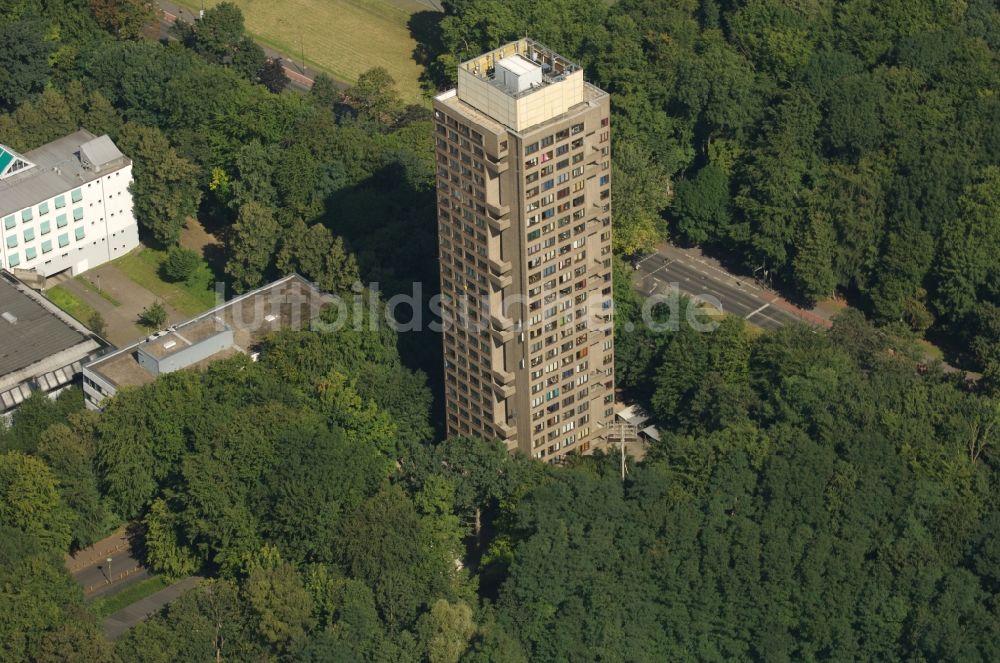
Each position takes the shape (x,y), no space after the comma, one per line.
(65,206)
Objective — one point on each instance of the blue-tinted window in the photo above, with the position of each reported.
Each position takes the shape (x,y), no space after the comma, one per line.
(63,240)
(76,195)
(14,260)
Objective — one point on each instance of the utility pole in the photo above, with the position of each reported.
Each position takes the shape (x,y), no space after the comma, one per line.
(623,432)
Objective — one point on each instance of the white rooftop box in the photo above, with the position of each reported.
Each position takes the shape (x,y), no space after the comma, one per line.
(517,73)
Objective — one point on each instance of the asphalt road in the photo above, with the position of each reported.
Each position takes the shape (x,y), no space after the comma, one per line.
(657,273)
(121,621)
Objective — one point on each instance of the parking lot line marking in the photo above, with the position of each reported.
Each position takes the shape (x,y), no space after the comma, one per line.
(753,313)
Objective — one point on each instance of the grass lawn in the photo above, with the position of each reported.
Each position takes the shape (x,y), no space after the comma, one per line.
(190,297)
(342,37)
(106,606)
(68,302)
(90,285)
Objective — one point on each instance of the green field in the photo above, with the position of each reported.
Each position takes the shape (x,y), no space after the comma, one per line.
(68,302)
(342,37)
(190,298)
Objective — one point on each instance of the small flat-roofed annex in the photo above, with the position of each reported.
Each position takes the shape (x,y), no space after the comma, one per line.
(236,326)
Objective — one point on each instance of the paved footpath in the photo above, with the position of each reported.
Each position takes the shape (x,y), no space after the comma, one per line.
(120,320)
(121,621)
(89,566)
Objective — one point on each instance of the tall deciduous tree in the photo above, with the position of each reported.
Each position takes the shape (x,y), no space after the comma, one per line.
(374,96)
(317,254)
(30,501)
(24,59)
(251,244)
(165,186)
(126,19)
(640,191)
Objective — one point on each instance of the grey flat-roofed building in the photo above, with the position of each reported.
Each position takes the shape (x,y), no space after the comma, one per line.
(237,326)
(41,348)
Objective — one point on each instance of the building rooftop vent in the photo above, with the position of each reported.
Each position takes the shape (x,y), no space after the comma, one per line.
(9,317)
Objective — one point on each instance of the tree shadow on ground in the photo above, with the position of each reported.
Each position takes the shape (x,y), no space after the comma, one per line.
(388,222)
(425,29)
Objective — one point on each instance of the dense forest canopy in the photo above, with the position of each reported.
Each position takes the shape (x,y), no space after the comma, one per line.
(814,496)
(842,145)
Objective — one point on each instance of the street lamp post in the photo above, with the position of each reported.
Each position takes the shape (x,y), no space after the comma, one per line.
(110,577)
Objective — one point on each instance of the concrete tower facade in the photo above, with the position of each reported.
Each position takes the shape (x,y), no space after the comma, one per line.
(524,224)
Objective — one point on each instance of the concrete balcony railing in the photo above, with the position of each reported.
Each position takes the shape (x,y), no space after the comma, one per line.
(498,225)
(499,267)
(500,281)
(497,167)
(503,391)
(501,322)
(502,335)
(505,430)
(502,377)
(497,210)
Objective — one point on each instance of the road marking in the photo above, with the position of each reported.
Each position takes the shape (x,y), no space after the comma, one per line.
(753,313)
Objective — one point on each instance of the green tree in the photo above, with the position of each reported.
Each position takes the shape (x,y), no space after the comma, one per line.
(251,245)
(970,242)
(70,451)
(272,75)
(126,19)
(701,206)
(318,255)
(812,265)
(376,546)
(153,316)
(37,590)
(324,90)
(97,324)
(31,502)
(282,606)
(165,551)
(374,96)
(35,415)
(25,47)
(180,264)
(445,631)
(165,186)
(640,192)
(220,37)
